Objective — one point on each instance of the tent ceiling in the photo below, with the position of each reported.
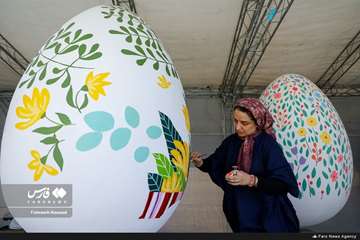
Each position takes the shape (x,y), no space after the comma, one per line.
(198,35)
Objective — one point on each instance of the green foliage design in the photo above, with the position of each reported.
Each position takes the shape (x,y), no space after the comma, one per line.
(146,46)
(47,67)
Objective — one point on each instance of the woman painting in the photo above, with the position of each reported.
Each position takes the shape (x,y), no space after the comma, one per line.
(251,169)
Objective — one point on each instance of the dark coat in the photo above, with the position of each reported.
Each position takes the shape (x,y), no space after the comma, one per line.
(248,209)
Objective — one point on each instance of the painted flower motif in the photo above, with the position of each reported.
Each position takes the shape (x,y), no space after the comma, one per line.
(325,137)
(185,111)
(163,82)
(334,176)
(302,132)
(34,108)
(172,183)
(181,156)
(311,121)
(302,160)
(95,84)
(266,93)
(294,90)
(39,167)
(277,95)
(294,150)
(340,158)
(275,86)
(316,94)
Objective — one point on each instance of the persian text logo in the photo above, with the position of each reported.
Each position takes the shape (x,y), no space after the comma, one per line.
(45,193)
(39,193)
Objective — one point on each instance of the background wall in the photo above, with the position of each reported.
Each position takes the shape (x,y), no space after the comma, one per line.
(201,210)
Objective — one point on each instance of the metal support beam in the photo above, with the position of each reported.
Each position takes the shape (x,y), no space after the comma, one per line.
(343,62)
(257,24)
(343,91)
(12,57)
(256,91)
(128,4)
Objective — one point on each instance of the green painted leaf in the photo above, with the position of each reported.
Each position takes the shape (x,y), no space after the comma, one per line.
(313,173)
(49,140)
(94,47)
(304,185)
(84,37)
(85,102)
(156,66)
(67,80)
(138,41)
(305,168)
(140,50)
(141,62)
(151,53)
(70,97)
(154,182)
(170,133)
(43,159)
(57,48)
(336,185)
(70,49)
(53,80)
(129,52)
(64,118)
(47,130)
(77,34)
(58,157)
(56,70)
(115,32)
(129,39)
(43,73)
(327,189)
(325,175)
(318,182)
(82,49)
(164,166)
(125,29)
(312,191)
(92,56)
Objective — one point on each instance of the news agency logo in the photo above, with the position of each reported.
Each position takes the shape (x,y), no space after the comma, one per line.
(44,193)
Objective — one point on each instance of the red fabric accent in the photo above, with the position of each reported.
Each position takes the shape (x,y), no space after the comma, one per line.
(264,122)
(147,205)
(163,204)
(173,200)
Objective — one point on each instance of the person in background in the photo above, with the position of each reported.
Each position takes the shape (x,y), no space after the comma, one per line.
(251,169)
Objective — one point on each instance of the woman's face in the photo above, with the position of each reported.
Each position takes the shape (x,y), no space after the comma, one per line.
(244,125)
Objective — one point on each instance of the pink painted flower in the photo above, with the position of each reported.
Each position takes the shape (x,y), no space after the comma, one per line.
(334,176)
(266,93)
(340,158)
(275,86)
(277,95)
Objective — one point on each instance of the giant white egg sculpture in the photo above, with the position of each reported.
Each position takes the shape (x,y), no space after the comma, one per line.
(315,144)
(97,134)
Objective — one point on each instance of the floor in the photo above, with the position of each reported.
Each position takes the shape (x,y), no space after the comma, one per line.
(201,211)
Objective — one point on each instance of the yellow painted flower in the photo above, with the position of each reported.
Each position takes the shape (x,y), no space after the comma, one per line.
(39,167)
(34,108)
(163,82)
(95,84)
(185,111)
(181,156)
(302,132)
(325,137)
(172,183)
(311,121)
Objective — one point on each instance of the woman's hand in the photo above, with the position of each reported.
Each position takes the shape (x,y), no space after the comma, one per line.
(237,178)
(196,158)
